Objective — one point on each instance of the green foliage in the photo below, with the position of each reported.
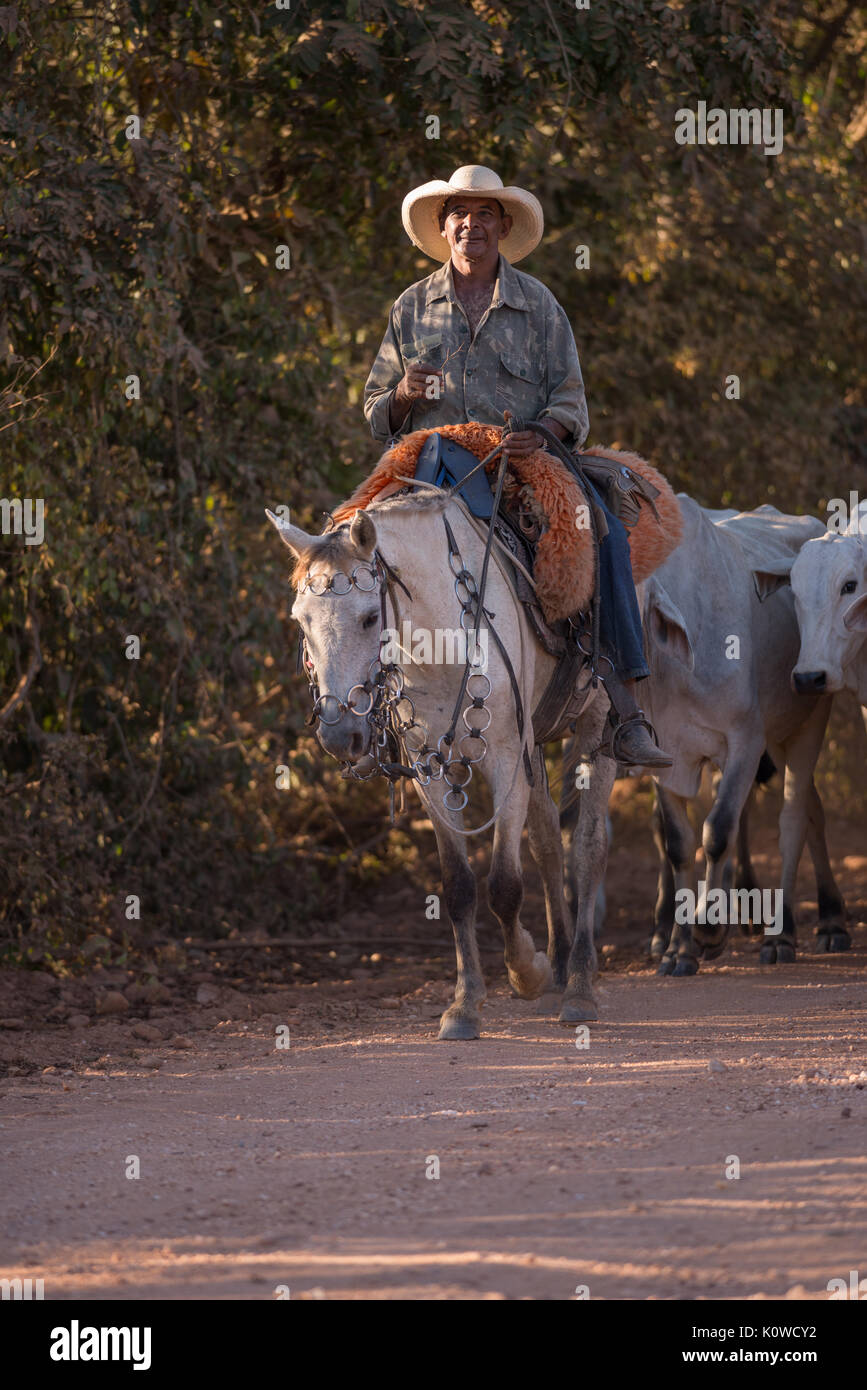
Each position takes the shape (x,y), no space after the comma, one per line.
(156,257)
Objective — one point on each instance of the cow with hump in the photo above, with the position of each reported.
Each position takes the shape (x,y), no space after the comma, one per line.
(722,639)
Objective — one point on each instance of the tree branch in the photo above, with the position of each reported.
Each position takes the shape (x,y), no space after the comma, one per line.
(34,666)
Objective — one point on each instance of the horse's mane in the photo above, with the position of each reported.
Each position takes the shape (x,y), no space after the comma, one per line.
(335,545)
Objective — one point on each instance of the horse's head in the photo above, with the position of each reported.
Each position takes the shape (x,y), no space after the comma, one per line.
(338,607)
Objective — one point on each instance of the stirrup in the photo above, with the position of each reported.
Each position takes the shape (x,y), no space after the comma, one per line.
(611,746)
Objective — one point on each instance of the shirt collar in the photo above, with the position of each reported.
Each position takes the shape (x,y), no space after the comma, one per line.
(507,288)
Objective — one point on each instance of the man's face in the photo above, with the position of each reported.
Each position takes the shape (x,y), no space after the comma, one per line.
(474,227)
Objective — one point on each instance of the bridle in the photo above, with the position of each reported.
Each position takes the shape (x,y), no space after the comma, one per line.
(399,746)
(391,714)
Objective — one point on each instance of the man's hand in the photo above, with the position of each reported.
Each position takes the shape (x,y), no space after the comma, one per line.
(522,442)
(413,385)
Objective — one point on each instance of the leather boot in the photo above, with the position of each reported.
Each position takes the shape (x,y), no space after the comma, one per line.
(633,739)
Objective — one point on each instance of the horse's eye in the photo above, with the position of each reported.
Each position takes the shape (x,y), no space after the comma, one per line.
(369,620)
(849,587)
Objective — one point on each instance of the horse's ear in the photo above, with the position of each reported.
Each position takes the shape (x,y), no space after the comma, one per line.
(293,536)
(362,533)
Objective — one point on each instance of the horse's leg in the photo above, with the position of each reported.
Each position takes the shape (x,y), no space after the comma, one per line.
(663,910)
(528,969)
(831,933)
(461,1020)
(546,847)
(588,855)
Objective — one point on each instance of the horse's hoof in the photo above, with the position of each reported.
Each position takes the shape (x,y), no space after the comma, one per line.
(666,966)
(578,1010)
(685,965)
(559,976)
(535,979)
(657,946)
(458,1025)
(823,942)
(768,953)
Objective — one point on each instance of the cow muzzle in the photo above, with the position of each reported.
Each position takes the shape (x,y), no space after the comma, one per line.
(809,682)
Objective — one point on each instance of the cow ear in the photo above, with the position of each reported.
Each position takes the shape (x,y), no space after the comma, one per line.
(362,533)
(667,625)
(855,617)
(772,577)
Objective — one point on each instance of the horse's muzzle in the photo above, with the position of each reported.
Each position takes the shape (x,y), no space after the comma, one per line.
(347,740)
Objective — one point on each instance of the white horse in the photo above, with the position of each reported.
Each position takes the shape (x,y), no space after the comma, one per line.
(343,627)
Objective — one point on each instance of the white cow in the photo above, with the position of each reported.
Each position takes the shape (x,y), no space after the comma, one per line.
(722,636)
(829,581)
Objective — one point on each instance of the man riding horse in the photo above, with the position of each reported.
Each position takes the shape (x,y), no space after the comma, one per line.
(478,340)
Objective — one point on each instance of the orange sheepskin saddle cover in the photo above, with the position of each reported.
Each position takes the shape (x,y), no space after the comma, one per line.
(564,557)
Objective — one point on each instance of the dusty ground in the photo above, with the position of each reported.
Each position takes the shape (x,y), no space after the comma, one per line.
(305,1167)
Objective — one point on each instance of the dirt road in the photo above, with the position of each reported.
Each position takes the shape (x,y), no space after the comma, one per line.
(305,1168)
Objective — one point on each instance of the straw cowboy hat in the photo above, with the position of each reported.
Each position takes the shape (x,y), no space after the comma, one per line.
(422,207)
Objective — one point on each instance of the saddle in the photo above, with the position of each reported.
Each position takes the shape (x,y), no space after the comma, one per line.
(519,527)
(537,524)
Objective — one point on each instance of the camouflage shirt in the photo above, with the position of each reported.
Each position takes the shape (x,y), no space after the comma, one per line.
(523,357)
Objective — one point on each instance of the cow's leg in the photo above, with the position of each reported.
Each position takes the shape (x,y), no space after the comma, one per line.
(801,752)
(588,854)
(831,933)
(681,955)
(546,847)
(718,838)
(663,911)
(461,1019)
(745,876)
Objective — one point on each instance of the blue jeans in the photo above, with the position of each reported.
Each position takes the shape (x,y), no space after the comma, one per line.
(620,631)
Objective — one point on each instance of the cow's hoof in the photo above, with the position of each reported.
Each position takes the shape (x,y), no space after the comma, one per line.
(711,952)
(777,953)
(837,940)
(666,966)
(685,965)
(579,1009)
(459,1024)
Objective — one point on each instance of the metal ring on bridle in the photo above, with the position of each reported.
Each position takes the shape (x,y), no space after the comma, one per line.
(318,706)
(461,583)
(475,738)
(470,718)
(479,676)
(455,791)
(361,713)
(450,776)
